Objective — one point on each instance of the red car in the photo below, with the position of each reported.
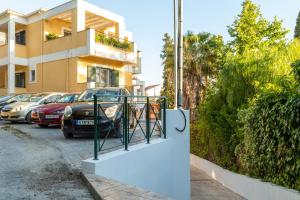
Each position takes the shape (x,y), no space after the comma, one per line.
(52,112)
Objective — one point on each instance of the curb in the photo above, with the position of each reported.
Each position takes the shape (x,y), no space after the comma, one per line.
(90,187)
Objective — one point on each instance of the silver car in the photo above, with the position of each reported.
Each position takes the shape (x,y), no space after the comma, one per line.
(21,111)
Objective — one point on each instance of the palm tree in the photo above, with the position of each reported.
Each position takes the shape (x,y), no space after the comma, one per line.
(203,54)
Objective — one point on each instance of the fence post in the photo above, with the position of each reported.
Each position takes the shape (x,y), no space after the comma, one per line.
(126,123)
(96,129)
(148,121)
(165,118)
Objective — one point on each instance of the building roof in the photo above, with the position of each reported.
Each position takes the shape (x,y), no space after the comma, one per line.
(16,13)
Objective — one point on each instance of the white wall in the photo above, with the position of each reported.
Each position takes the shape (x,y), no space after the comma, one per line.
(162,166)
(250,188)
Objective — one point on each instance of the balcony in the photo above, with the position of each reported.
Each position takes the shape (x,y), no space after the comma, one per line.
(114,48)
(3,51)
(21,51)
(115,42)
(65,43)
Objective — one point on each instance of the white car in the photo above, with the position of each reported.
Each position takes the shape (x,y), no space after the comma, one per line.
(21,111)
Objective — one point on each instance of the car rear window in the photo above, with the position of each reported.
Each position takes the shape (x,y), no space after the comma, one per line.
(67,98)
(103,95)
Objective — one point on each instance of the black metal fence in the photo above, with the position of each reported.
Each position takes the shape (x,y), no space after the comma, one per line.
(128,119)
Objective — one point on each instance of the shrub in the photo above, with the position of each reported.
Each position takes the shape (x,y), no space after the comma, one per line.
(270,148)
(51,36)
(111,41)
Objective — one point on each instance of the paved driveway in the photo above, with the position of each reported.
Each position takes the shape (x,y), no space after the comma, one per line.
(205,188)
(39,163)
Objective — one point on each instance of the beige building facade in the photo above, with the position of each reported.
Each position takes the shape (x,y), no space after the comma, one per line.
(69,48)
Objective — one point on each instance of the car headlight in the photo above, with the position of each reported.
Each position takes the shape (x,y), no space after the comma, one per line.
(6,109)
(68,112)
(111,111)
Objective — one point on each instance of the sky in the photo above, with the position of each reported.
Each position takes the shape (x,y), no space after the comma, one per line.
(150,19)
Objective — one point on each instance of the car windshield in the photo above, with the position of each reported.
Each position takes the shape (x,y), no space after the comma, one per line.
(6,98)
(21,98)
(103,95)
(35,98)
(68,98)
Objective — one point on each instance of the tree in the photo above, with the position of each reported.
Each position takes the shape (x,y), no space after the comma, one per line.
(251,65)
(203,54)
(297,28)
(250,30)
(167,56)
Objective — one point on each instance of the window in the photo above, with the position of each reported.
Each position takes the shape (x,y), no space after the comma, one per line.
(20,80)
(114,78)
(21,38)
(103,77)
(66,32)
(32,75)
(2,38)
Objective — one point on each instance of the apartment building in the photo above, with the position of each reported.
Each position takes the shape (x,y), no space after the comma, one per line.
(68,48)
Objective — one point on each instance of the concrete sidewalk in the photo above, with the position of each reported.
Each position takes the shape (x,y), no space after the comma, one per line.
(205,188)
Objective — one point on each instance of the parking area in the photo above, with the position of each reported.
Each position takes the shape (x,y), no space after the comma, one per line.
(39,163)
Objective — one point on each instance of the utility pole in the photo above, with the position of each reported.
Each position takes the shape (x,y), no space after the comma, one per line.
(175,54)
(180,55)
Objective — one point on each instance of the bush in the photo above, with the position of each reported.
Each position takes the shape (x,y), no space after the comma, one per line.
(211,134)
(111,41)
(51,36)
(270,148)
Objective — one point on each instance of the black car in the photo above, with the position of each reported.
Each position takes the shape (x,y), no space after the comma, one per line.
(78,118)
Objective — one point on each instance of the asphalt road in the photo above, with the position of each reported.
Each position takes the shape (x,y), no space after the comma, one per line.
(40,163)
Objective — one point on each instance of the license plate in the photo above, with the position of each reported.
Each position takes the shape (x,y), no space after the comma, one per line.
(51,116)
(84,122)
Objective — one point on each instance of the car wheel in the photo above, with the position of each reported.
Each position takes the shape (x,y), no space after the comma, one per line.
(68,135)
(118,132)
(28,118)
(43,125)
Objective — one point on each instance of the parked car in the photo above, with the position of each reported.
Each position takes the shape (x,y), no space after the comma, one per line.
(5,98)
(12,99)
(51,114)
(78,118)
(21,111)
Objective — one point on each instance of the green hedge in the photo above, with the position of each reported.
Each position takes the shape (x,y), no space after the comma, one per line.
(111,41)
(51,36)
(270,148)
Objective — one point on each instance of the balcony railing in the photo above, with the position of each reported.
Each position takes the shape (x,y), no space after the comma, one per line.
(114,42)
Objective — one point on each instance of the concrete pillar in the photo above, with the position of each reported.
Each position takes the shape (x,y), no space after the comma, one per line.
(11,57)
(120,30)
(78,20)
